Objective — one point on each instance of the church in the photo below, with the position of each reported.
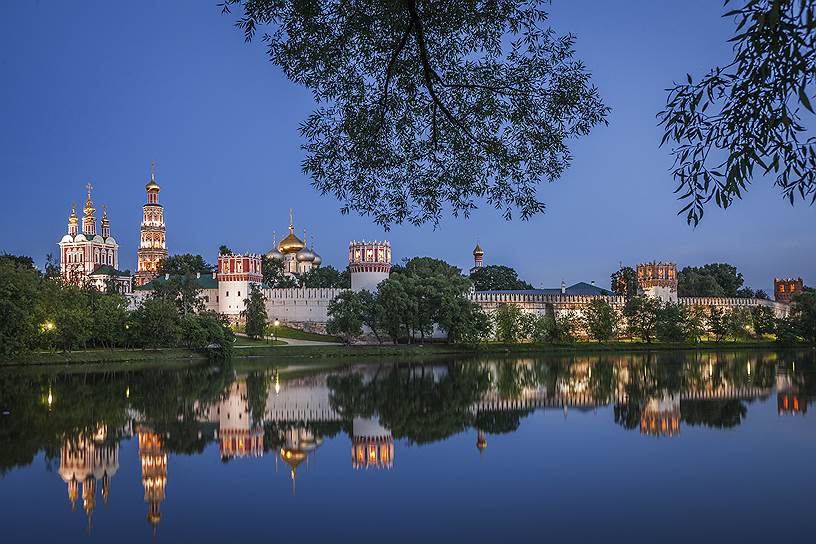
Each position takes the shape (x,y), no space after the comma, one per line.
(90,256)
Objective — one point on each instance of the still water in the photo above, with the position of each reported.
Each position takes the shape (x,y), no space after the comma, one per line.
(670,447)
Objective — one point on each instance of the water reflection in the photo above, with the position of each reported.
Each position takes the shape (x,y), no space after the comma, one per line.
(81,419)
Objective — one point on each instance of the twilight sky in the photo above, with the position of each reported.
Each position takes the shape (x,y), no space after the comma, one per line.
(95,90)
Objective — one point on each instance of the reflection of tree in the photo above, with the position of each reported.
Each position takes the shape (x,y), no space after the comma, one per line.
(257,392)
(411,401)
(720,414)
(500,422)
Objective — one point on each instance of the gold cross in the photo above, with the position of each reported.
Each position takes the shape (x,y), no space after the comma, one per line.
(89,187)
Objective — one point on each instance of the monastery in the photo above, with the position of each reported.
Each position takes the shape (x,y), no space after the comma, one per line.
(91,257)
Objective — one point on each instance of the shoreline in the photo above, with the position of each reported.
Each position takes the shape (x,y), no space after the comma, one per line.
(163,358)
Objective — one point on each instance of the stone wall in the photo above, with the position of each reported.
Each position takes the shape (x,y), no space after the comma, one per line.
(299,305)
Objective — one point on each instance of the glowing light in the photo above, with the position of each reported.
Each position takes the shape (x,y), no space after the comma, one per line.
(50,398)
(127,392)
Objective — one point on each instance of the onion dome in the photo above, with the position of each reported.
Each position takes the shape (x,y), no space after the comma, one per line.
(305,255)
(291,244)
(317,261)
(152,185)
(73,219)
(478,251)
(274,254)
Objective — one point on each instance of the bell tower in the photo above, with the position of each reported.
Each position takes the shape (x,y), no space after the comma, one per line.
(152,242)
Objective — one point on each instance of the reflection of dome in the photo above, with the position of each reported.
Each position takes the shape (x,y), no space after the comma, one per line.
(481,442)
(290,244)
(292,457)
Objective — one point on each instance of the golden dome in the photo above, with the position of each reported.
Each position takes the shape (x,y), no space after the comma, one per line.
(478,251)
(291,244)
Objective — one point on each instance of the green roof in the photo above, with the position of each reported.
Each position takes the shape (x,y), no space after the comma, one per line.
(107,270)
(206,281)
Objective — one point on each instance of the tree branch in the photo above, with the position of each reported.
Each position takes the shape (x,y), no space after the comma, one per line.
(394,56)
(429,74)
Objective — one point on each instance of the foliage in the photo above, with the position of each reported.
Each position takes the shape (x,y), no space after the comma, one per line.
(672,323)
(255,312)
(642,317)
(326,277)
(763,320)
(372,314)
(345,315)
(738,321)
(717,323)
(803,311)
(224,250)
(507,320)
(695,323)
(274,276)
(497,278)
(156,323)
(600,320)
(711,280)
(183,291)
(425,106)
(624,282)
(181,265)
(19,295)
(748,114)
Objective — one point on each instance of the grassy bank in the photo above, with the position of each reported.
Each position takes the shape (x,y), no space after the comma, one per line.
(249,349)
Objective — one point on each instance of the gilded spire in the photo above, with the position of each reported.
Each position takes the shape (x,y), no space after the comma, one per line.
(152,185)
(291,222)
(104,213)
(89,209)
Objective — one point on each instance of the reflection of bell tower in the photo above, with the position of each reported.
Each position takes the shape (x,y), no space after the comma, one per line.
(481,441)
(154,473)
(297,445)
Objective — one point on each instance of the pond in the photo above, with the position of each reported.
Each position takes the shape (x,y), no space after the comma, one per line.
(670,446)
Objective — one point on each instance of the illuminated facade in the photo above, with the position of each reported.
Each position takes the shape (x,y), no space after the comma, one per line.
(153,234)
(658,280)
(787,288)
(369,264)
(91,257)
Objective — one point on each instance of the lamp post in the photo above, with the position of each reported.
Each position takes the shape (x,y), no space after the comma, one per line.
(277,323)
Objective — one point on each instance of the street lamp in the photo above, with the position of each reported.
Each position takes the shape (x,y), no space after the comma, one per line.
(277,324)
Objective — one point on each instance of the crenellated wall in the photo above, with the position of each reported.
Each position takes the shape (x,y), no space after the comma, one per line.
(296,306)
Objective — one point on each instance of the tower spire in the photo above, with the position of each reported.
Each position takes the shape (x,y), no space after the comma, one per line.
(152,170)
(291,222)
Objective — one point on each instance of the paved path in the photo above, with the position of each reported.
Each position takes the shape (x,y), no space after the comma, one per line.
(294,342)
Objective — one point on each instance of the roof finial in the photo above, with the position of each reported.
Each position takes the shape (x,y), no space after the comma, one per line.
(305,239)
(274,238)
(291,222)
(89,187)
(152,170)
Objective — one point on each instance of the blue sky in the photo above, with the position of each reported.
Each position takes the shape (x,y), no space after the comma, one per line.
(96,90)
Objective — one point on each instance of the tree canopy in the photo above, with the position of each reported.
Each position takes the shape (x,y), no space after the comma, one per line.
(497,278)
(424,106)
(179,265)
(710,280)
(749,116)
